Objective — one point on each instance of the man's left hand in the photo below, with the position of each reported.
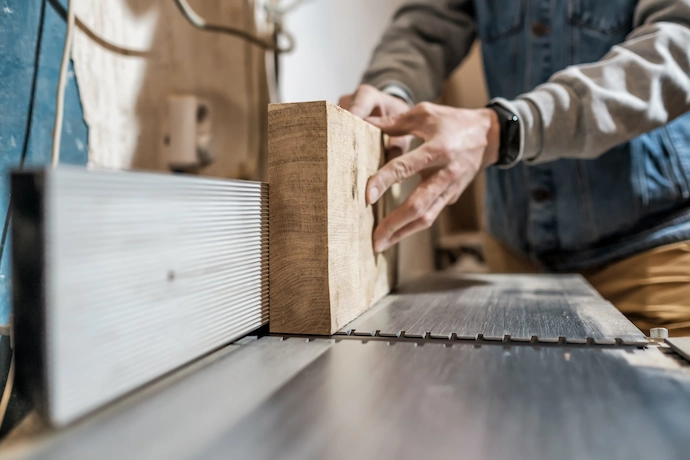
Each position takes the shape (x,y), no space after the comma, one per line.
(458,144)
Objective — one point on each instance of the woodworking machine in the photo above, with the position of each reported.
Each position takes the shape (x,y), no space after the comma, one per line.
(449,366)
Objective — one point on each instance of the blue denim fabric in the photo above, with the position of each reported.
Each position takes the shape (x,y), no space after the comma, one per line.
(572,215)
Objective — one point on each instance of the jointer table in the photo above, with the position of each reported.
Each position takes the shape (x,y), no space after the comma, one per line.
(452,366)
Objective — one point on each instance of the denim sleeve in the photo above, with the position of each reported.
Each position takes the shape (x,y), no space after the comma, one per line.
(426,41)
(640,85)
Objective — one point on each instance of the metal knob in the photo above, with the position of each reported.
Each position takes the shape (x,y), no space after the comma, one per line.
(658,333)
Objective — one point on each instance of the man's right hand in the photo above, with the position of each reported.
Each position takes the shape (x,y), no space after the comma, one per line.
(368,102)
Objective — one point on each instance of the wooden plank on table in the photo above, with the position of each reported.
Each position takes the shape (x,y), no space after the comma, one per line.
(323,269)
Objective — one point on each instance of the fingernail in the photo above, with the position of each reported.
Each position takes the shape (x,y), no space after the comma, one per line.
(373,195)
(381,245)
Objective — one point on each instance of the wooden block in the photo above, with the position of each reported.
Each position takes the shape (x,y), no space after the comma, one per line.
(323,269)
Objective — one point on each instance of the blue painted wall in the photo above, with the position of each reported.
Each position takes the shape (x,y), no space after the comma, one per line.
(32,34)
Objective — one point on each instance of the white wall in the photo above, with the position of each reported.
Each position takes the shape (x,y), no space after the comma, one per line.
(147,52)
(335,39)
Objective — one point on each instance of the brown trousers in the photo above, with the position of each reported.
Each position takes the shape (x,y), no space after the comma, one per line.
(652,288)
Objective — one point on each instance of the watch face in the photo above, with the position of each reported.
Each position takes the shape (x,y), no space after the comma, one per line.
(509,150)
(513,135)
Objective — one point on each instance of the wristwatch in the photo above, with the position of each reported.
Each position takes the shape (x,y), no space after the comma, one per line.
(511,137)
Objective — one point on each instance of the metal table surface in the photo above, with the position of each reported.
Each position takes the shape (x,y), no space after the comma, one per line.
(373,399)
(574,390)
(178,416)
(542,308)
(681,345)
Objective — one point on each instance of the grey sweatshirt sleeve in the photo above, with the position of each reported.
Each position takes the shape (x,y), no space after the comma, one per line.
(426,41)
(640,85)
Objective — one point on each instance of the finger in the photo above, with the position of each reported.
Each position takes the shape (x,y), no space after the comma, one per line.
(454,198)
(364,101)
(399,169)
(423,223)
(415,207)
(397,146)
(415,121)
(400,125)
(346,101)
(459,186)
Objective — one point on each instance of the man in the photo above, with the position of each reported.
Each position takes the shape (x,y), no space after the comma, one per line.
(588,167)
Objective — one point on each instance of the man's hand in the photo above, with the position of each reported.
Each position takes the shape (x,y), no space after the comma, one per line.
(458,143)
(367,102)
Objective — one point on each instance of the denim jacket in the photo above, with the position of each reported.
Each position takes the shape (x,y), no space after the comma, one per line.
(567,214)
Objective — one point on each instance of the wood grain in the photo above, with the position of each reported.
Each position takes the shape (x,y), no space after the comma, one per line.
(324,272)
